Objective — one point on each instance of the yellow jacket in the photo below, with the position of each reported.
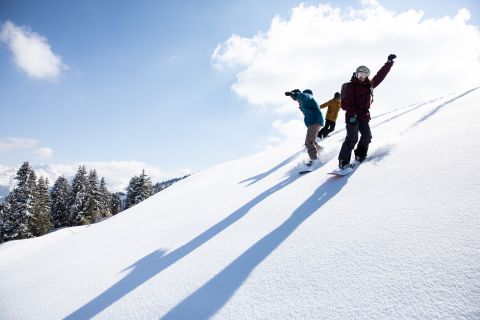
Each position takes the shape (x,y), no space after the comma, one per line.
(334,106)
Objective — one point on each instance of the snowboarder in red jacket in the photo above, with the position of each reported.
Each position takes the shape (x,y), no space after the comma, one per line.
(357,95)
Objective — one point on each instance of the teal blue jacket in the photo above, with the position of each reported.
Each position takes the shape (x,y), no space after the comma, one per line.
(309,108)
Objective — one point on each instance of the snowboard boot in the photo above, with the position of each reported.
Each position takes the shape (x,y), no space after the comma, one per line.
(360,155)
(319,147)
(311,163)
(360,159)
(342,164)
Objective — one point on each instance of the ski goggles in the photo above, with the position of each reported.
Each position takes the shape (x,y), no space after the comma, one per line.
(362,75)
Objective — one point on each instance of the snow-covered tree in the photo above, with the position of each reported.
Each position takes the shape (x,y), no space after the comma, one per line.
(18,209)
(145,186)
(5,215)
(1,222)
(60,195)
(132,191)
(159,186)
(105,198)
(139,189)
(116,203)
(41,221)
(78,199)
(93,213)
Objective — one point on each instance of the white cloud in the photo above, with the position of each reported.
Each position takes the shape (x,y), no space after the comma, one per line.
(12,144)
(287,127)
(119,173)
(44,152)
(8,144)
(6,176)
(284,131)
(32,52)
(319,47)
(244,53)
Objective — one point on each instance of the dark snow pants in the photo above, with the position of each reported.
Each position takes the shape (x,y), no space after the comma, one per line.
(351,140)
(329,127)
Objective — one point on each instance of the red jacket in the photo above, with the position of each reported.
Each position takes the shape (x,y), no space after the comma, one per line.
(358,96)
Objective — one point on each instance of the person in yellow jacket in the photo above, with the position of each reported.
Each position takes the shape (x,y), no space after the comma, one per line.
(334,106)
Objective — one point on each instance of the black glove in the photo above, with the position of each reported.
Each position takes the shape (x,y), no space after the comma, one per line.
(352,119)
(292,93)
(391,57)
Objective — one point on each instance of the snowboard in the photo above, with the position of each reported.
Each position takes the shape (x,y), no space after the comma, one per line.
(308,169)
(345,171)
(305,171)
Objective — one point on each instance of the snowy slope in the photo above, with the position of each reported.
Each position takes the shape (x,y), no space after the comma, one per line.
(252,239)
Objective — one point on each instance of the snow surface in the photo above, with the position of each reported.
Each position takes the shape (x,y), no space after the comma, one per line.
(399,238)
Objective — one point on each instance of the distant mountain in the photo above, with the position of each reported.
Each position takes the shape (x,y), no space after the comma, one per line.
(117,179)
(6,181)
(4,191)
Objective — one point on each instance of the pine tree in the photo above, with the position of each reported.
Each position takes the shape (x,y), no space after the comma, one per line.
(1,222)
(159,186)
(18,207)
(41,221)
(78,198)
(59,195)
(105,197)
(115,203)
(145,187)
(132,192)
(5,216)
(21,205)
(139,189)
(93,213)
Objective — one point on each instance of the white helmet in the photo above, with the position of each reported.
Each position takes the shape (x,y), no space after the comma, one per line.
(363,69)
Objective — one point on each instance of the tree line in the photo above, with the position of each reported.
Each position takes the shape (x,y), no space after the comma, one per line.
(33,209)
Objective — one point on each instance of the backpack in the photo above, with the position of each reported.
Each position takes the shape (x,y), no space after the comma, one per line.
(343,91)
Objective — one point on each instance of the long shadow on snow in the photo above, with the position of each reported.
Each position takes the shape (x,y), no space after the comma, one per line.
(154,263)
(142,270)
(213,295)
(260,176)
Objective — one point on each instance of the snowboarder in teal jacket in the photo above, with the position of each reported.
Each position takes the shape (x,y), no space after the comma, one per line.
(313,119)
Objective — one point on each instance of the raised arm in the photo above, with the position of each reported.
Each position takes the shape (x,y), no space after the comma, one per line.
(382,73)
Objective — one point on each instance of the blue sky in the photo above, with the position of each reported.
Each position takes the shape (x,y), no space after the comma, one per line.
(139,81)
